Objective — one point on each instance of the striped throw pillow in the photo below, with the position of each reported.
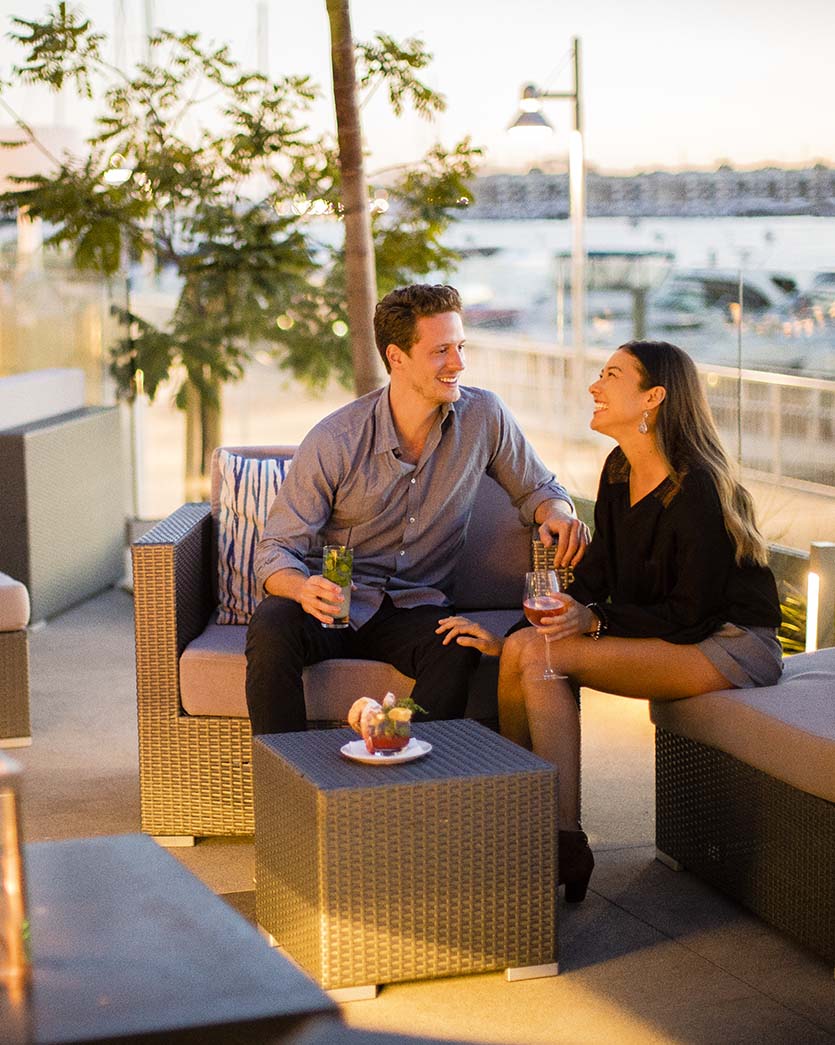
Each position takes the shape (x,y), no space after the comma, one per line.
(248,486)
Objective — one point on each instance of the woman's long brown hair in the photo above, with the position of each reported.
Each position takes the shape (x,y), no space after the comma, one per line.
(687,436)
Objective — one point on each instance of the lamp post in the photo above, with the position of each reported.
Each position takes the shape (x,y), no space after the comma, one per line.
(531,116)
(117,174)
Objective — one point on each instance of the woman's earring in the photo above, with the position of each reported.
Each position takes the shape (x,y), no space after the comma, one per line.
(643,427)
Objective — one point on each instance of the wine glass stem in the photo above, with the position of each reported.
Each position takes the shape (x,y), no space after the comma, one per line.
(549,669)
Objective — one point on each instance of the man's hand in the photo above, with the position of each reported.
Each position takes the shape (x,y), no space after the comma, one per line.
(320,598)
(558,526)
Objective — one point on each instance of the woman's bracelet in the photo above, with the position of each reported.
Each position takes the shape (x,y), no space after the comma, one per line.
(602,622)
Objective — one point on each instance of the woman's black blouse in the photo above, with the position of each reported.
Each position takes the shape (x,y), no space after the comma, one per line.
(664,567)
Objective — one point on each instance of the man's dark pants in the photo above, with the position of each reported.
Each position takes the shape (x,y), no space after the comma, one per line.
(282,640)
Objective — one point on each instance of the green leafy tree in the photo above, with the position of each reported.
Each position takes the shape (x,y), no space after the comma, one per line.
(212,170)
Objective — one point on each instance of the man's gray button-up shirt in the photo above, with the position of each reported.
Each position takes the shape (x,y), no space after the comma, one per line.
(406,523)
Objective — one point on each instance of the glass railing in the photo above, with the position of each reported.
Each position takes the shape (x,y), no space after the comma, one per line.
(769,371)
(53,316)
(787,430)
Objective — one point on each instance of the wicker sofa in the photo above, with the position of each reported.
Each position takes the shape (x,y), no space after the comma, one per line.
(745,795)
(194,735)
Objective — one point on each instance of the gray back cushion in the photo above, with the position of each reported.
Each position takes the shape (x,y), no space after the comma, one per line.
(496,554)
(491,574)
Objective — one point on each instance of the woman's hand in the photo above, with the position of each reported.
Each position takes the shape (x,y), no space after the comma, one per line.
(573,619)
(466,632)
(357,711)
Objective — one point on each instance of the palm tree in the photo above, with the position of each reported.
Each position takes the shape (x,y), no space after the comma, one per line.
(360,276)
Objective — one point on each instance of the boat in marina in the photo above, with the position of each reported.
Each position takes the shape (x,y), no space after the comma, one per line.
(787,319)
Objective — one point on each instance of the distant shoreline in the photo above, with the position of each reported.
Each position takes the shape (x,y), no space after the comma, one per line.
(769,192)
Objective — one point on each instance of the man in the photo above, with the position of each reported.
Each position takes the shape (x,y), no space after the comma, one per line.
(394,475)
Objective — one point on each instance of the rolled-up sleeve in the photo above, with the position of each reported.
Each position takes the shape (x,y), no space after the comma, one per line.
(299,512)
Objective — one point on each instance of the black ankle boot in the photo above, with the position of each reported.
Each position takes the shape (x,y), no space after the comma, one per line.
(575,864)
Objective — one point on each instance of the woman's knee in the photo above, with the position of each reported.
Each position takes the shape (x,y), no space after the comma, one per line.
(530,650)
(519,647)
(568,656)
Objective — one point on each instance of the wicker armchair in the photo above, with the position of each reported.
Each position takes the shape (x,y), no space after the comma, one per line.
(195,769)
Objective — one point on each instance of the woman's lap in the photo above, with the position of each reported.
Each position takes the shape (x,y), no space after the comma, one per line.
(644,668)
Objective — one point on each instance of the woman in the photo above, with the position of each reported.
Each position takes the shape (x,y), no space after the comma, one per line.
(674,585)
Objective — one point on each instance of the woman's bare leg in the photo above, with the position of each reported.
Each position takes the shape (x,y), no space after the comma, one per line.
(554,722)
(542,714)
(646,669)
(513,718)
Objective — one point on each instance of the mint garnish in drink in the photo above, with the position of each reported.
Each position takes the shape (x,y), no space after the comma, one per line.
(337,565)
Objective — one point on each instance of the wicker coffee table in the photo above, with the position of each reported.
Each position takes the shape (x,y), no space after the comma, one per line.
(371,874)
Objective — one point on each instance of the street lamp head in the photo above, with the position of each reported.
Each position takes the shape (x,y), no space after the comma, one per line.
(117,175)
(117,172)
(530,115)
(531,120)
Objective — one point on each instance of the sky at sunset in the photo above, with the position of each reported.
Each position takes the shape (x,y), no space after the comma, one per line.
(666,83)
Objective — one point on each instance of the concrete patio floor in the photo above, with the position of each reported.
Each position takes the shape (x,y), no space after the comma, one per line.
(650,956)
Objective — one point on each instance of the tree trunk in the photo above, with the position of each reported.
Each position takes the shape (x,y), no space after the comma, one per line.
(360,276)
(203,419)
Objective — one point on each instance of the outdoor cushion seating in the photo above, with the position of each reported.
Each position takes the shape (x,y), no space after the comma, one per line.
(194,734)
(14,663)
(745,795)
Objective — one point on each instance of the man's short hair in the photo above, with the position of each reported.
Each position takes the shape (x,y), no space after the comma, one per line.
(396,315)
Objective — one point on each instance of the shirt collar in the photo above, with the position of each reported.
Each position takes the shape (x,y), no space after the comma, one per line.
(385,437)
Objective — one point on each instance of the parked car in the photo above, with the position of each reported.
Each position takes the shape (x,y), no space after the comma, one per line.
(685,299)
(820,294)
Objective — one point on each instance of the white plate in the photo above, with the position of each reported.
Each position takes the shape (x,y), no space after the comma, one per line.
(356,750)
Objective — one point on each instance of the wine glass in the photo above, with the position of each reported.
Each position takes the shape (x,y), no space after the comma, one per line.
(542,599)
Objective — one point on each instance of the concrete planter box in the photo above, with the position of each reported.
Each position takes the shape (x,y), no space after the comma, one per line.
(62,516)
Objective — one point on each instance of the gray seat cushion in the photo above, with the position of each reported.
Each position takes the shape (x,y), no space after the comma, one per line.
(786,730)
(213,678)
(213,675)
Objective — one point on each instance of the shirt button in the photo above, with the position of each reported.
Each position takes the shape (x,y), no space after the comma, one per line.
(411,518)
(413,481)
(402,553)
